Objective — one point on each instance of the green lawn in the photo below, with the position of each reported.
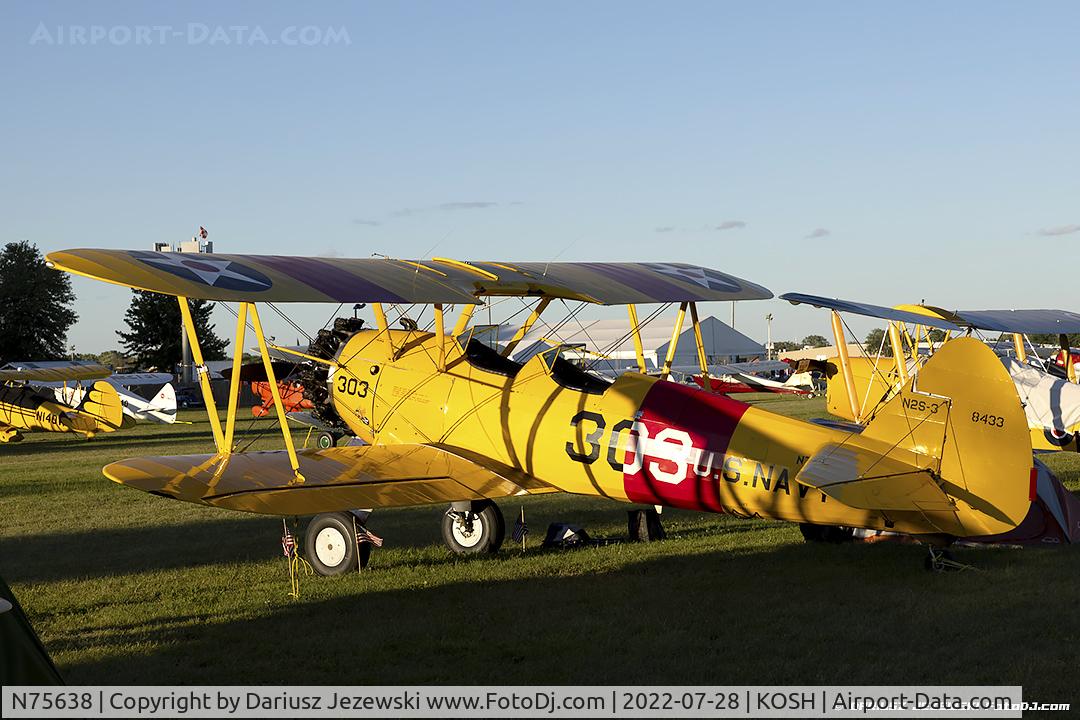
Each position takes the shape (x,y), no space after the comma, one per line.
(125,587)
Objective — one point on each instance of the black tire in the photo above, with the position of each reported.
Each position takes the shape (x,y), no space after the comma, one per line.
(481,530)
(330,544)
(826,533)
(325,440)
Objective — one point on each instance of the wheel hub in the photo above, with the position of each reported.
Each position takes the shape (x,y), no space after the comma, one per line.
(330,547)
(468,529)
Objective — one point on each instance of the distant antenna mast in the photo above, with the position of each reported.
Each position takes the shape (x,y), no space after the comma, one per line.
(768,343)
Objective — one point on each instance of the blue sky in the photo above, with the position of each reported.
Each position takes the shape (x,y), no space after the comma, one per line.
(886,153)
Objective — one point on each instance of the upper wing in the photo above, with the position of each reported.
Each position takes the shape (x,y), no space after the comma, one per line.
(335,479)
(53,372)
(875,311)
(148,378)
(301,279)
(1022,321)
(1008,321)
(615,283)
(265,278)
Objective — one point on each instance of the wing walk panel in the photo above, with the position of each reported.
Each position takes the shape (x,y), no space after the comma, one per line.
(336,479)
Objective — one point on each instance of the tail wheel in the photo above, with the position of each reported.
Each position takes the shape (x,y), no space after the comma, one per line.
(330,544)
(325,440)
(826,533)
(478,530)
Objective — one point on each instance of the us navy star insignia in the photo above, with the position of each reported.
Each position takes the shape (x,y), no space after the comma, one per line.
(205,270)
(704,277)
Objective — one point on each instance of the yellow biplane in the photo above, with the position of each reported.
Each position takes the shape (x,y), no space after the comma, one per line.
(857,385)
(450,419)
(26,408)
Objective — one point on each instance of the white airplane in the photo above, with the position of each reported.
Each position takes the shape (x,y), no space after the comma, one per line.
(160,409)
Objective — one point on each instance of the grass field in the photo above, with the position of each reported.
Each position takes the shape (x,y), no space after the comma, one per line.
(127,588)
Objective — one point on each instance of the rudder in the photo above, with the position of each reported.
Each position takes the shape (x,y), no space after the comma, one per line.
(961,418)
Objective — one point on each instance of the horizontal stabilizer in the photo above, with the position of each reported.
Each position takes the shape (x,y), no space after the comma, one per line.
(334,479)
(99,411)
(864,479)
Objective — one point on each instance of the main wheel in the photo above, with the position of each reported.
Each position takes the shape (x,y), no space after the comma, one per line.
(325,440)
(330,544)
(477,530)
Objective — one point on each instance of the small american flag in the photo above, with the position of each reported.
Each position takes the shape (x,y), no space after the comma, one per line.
(202,232)
(288,544)
(521,529)
(364,535)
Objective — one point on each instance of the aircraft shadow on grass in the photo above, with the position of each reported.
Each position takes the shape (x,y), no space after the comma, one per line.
(166,441)
(770,615)
(102,553)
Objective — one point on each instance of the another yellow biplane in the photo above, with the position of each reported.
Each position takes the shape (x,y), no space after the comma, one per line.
(856,386)
(25,408)
(449,419)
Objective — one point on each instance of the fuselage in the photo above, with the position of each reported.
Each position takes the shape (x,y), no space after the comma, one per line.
(637,439)
(21,408)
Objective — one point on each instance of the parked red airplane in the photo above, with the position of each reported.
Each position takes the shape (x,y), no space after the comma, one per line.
(289,387)
(737,378)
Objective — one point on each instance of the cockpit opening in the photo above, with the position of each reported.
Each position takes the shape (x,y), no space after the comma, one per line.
(481,356)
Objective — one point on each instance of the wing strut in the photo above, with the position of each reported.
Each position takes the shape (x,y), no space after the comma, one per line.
(899,356)
(675,333)
(703,361)
(204,373)
(635,328)
(1066,352)
(526,327)
(1018,345)
(234,380)
(384,329)
(463,320)
(283,420)
(845,363)
(440,329)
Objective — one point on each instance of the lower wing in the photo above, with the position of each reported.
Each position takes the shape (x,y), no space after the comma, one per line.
(334,479)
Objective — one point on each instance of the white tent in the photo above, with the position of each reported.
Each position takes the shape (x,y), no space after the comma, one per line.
(611,344)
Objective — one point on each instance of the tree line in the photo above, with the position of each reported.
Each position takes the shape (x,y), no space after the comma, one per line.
(36,314)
